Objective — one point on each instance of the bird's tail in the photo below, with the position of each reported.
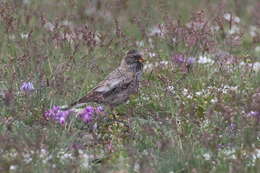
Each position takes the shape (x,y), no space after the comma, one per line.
(76,104)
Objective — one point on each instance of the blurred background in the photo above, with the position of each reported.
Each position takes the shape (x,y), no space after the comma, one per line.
(198,106)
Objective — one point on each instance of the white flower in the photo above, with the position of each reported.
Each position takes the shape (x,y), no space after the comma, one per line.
(67,156)
(164,62)
(205,60)
(148,67)
(13,167)
(227,16)
(198,93)
(156,30)
(43,153)
(230,17)
(234,29)
(256,66)
(137,167)
(174,40)
(66,23)
(49,26)
(236,19)
(230,153)
(24,35)
(85,161)
(189,96)
(185,92)
(206,156)
(252,30)
(257,48)
(256,155)
(214,100)
(151,54)
(171,89)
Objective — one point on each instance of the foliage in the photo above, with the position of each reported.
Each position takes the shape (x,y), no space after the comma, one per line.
(197,109)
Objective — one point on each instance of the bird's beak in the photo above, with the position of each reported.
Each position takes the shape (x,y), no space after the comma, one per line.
(141,59)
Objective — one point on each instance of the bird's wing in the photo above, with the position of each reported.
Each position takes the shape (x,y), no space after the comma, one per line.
(115,79)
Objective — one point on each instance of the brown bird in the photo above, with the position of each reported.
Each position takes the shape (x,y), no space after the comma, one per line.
(119,84)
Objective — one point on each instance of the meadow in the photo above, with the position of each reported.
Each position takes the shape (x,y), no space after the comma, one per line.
(197,109)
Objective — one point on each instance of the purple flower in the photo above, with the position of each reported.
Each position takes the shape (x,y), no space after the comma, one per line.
(27,87)
(178,58)
(62,116)
(58,115)
(86,117)
(89,109)
(254,114)
(50,114)
(99,109)
(87,114)
(190,60)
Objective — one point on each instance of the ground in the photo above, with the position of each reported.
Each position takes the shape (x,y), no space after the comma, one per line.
(197,109)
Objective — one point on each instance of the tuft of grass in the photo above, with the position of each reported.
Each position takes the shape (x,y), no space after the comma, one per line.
(198,116)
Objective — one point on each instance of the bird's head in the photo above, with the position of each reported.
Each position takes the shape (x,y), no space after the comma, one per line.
(133,60)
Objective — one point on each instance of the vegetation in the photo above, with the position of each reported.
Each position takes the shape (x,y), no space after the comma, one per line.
(198,108)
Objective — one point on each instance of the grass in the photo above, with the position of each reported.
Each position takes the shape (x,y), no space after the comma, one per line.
(186,117)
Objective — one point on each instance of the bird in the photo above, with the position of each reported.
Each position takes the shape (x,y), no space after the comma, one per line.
(117,87)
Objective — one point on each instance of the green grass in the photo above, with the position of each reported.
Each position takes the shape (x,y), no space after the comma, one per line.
(182,120)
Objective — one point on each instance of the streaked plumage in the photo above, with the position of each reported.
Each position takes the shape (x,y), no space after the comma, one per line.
(119,84)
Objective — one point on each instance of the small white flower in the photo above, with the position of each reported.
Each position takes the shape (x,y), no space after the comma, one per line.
(137,167)
(156,31)
(66,156)
(151,54)
(227,16)
(230,17)
(256,66)
(148,67)
(198,93)
(85,161)
(236,19)
(257,48)
(230,153)
(49,26)
(66,23)
(256,155)
(185,92)
(13,167)
(252,31)
(164,62)
(205,60)
(174,40)
(24,35)
(189,96)
(171,89)
(214,100)
(234,29)
(206,156)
